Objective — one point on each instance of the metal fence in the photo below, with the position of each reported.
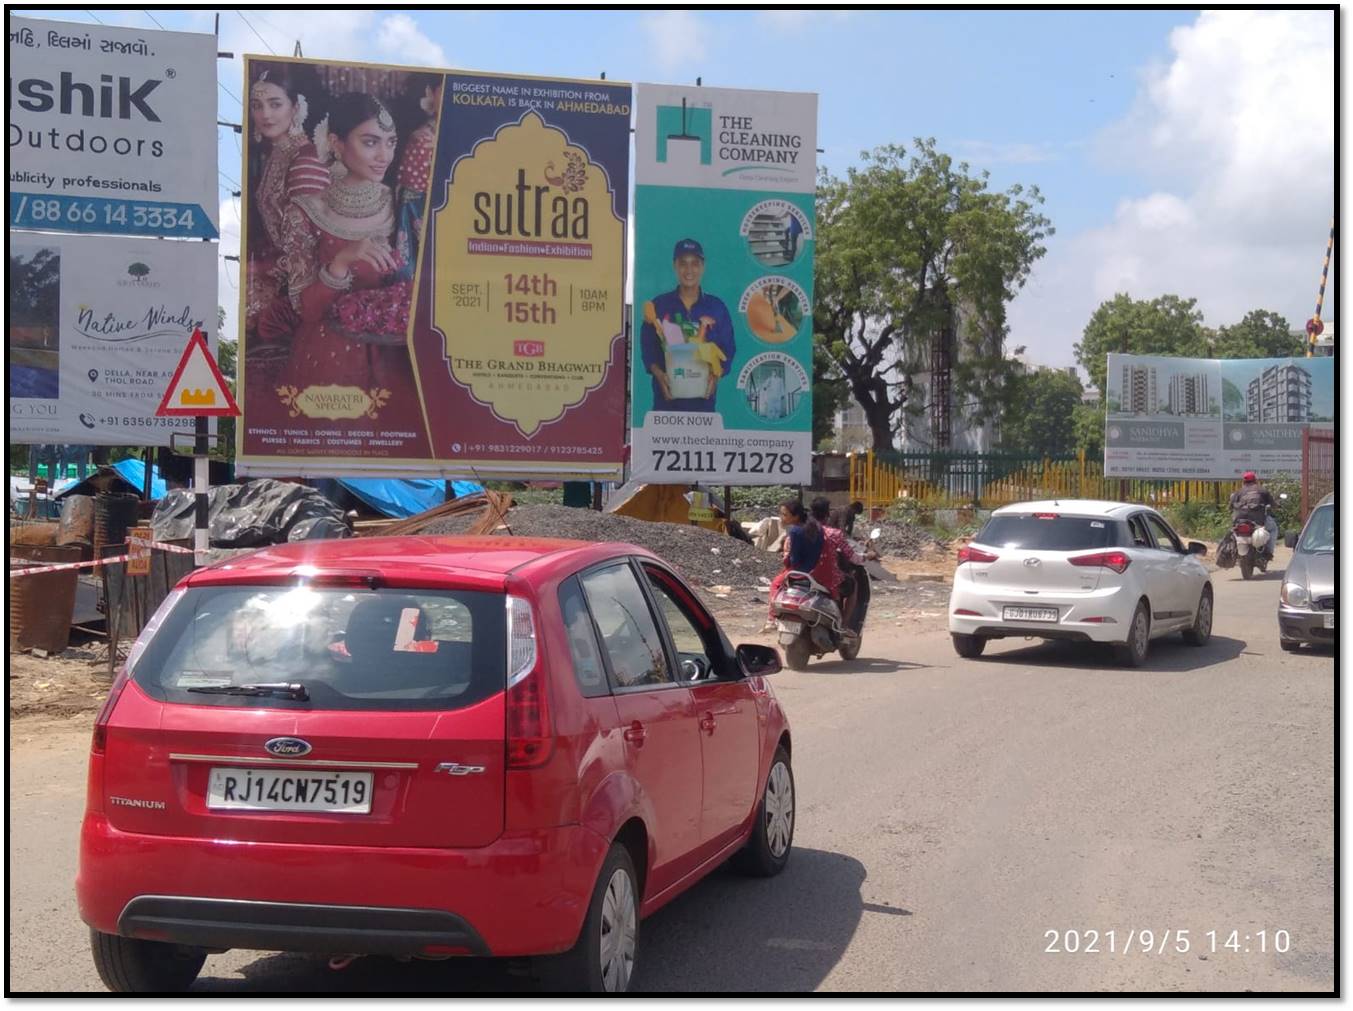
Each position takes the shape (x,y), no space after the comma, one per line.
(987,480)
(1317,468)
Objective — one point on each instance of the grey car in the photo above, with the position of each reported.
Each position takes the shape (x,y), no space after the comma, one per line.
(1306,602)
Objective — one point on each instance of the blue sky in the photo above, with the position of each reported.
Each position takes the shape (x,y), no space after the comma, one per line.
(1163,141)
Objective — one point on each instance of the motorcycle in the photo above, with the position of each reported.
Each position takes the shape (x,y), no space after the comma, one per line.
(1254,546)
(809,620)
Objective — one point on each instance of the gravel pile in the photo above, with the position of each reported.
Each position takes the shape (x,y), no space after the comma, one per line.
(898,540)
(703,557)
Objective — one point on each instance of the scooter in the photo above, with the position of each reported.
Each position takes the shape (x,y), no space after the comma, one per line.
(809,620)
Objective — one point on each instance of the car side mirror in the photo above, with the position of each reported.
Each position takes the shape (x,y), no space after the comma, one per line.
(758,661)
(1291,539)
(1198,548)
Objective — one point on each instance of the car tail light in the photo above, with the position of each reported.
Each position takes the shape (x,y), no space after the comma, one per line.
(971,554)
(964,611)
(1046,516)
(124,675)
(308,575)
(1116,560)
(1244,528)
(530,740)
(100,740)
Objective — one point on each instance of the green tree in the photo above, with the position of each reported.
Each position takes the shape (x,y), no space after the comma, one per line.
(829,393)
(1041,415)
(1087,423)
(1168,325)
(902,245)
(1261,334)
(227,357)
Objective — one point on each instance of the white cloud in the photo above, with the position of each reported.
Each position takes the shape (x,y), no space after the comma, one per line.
(228,272)
(401,38)
(797,22)
(677,39)
(1236,134)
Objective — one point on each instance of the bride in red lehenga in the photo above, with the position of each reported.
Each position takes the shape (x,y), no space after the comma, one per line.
(341,273)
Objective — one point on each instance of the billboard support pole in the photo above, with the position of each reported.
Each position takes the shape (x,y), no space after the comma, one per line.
(150,462)
(201,488)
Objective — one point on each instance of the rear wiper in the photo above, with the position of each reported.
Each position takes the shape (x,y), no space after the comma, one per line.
(291,691)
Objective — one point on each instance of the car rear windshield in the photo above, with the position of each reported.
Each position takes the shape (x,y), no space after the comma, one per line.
(1319,533)
(1040,533)
(349,649)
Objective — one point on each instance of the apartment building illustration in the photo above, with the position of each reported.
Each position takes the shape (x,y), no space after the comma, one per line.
(1139,391)
(1188,395)
(1281,393)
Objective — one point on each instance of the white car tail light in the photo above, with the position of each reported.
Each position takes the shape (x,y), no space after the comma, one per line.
(971,554)
(1116,560)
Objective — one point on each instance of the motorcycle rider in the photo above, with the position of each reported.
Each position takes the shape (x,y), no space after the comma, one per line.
(1255,503)
(835,545)
(804,545)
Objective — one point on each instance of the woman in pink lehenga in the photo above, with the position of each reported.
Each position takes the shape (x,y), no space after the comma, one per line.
(341,269)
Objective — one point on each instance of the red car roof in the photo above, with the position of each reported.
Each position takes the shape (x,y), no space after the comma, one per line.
(478,561)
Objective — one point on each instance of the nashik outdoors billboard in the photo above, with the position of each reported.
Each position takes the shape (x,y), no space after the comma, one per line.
(434,272)
(1208,418)
(723,286)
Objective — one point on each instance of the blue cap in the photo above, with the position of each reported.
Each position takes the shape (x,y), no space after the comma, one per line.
(688,247)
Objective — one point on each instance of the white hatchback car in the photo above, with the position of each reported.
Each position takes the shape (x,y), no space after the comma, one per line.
(1080,570)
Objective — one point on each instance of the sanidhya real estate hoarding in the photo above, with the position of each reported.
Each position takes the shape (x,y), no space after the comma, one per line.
(723,285)
(95,327)
(111,130)
(434,272)
(1212,418)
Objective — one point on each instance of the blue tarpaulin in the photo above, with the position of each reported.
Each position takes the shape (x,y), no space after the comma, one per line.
(134,473)
(400,499)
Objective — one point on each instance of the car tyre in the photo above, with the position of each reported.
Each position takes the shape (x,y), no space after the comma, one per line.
(1202,621)
(772,839)
(1289,646)
(131,965)
(604,958)
(968,646)
(1133,652)
(798,653)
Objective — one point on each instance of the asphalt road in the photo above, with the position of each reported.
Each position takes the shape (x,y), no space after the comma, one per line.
(956,819)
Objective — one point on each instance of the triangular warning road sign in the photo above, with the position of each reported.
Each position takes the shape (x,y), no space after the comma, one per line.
(198,389)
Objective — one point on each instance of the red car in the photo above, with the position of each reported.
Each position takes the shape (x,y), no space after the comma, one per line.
(429,747)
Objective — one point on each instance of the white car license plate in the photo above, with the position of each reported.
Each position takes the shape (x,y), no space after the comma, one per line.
(1029,614)
(793,627)
(289,790)
(1329,621)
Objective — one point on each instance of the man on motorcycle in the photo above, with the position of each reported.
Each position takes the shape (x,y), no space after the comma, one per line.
(1253,502)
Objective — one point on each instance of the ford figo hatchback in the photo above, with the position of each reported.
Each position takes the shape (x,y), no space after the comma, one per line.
(425,747)
(1084,571)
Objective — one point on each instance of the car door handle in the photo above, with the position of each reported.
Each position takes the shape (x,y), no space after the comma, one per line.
(636,734)
(708,723)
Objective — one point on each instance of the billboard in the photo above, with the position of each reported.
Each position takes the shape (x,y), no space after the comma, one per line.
(1208,418)
(111,130)
(94,329)
(723,286)
(434,272)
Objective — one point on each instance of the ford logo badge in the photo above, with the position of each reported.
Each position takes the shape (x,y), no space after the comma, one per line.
(288,747)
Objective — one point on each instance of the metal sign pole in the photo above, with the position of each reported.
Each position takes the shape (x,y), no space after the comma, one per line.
(201,488)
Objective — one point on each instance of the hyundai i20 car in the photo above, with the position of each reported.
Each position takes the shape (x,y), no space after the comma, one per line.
(1082,571)
(425,747)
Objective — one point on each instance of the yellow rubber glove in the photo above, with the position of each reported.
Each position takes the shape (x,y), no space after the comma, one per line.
(712,355)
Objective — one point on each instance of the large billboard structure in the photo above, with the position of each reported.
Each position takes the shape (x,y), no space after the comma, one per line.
(1212,418)
(434,272)
(112,182)
(723,286)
